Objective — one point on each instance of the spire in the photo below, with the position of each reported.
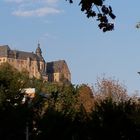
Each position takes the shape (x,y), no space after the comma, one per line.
(38,50)
(38,44)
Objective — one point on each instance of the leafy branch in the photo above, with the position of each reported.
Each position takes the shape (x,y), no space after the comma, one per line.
(97,8)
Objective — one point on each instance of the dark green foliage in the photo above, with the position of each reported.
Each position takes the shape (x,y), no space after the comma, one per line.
(13,113)
(11,84)
(115,121)
(13,122)
(109,121)
(62,97)
(57,125)
(96,8)
(61,113)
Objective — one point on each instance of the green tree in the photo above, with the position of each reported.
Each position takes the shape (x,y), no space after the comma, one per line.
(11,84)
(111,120)
(14,114)
(61,97)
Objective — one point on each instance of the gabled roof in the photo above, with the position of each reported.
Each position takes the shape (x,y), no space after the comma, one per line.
(6,51)
(4,47)
(23,55)
(57,66)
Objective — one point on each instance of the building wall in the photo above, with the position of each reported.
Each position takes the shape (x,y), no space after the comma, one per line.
(3,59)
(66,73)
(21,65)
(35,65)
(56,77)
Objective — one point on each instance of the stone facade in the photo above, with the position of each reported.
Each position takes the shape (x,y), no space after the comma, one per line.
(35,64)
(58,71)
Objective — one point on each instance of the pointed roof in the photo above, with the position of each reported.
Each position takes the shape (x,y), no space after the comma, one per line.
(4,49)
(38,50)
(7,52)
(57,66)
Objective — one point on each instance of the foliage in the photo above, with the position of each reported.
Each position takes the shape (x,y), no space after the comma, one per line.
(13,113)
(64,127)
(102,12)
(111,120)
(11,84)
(108,120)
(85,98)
(110,88)
(66,111)
(62,97)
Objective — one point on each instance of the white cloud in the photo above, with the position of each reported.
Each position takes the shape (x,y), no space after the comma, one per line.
(32,1)
(14,1)
(35,8)
(47,36)
(37,12)
(49,1)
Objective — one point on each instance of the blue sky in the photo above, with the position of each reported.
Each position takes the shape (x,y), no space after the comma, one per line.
(64,32)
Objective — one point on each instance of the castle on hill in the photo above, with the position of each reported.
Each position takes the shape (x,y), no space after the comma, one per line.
(34,63)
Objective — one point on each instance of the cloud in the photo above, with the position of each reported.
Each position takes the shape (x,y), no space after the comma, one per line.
(34,8)
(37,12)
(32,1)
(50,1)
(14,1)
(46,36)
(19,1)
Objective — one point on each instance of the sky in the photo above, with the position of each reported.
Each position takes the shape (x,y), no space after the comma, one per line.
(64,32)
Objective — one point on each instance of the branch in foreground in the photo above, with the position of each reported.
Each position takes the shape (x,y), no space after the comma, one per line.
(97,8)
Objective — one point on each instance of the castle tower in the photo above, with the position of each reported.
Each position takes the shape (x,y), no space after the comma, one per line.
(38,51)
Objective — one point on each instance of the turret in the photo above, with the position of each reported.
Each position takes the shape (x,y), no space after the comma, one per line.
(38,51)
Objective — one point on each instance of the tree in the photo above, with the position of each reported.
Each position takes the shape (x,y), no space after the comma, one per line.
(85,98)
(118,121)
(109,88)
(97,8)
(66,113)
(11,84)
(13,113)
(62,97)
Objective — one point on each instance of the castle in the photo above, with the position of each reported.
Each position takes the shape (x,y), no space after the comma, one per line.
(34,63)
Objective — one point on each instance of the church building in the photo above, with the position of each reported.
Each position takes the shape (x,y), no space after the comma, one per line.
(34,63)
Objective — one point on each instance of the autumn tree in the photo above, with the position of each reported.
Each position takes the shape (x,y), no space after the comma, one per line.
(109,88)
(66,112)
(85,98)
